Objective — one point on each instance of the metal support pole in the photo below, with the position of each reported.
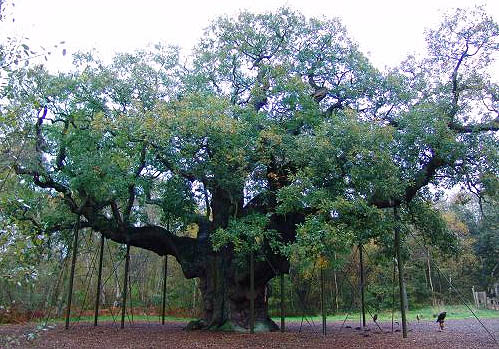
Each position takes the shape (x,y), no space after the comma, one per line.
(323,303)
(125,286)
(99,280)
(403,298)
(72,274)
(165,275)
(362,298)
(282,303)
(393,292)
(163,312)
(252,292)
(335,286)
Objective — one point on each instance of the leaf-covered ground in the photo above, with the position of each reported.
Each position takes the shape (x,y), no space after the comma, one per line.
(458,334)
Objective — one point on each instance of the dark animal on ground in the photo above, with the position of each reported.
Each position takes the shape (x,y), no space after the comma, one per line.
(441,319)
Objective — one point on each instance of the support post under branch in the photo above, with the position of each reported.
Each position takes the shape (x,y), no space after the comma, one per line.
(362,281)
(252,292)
(72,273)
(323,303)
(125,286)
(282,303)
(99,280)
(163,311)
(403,298)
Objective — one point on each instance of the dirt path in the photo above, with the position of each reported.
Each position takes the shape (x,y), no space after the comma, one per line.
(459,334)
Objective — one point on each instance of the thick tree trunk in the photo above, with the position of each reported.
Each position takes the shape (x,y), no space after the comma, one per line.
(225,278)
(225,288)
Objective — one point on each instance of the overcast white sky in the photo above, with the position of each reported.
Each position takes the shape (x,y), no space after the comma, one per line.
(386,29)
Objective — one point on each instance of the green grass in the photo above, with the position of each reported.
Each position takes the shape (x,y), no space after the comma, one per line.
(426,314)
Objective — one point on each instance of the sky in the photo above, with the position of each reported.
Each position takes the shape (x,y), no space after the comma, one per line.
(386,30)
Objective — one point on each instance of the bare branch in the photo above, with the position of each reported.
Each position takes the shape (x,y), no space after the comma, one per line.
(46,182)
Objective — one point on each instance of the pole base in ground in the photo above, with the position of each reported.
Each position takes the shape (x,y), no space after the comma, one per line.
(125,286)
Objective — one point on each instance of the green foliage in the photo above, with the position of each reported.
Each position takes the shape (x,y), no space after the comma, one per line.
(339,224)
(245,234)
(481,219)
(430,223)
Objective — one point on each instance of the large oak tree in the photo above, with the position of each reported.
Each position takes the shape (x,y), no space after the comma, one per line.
(274,125)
